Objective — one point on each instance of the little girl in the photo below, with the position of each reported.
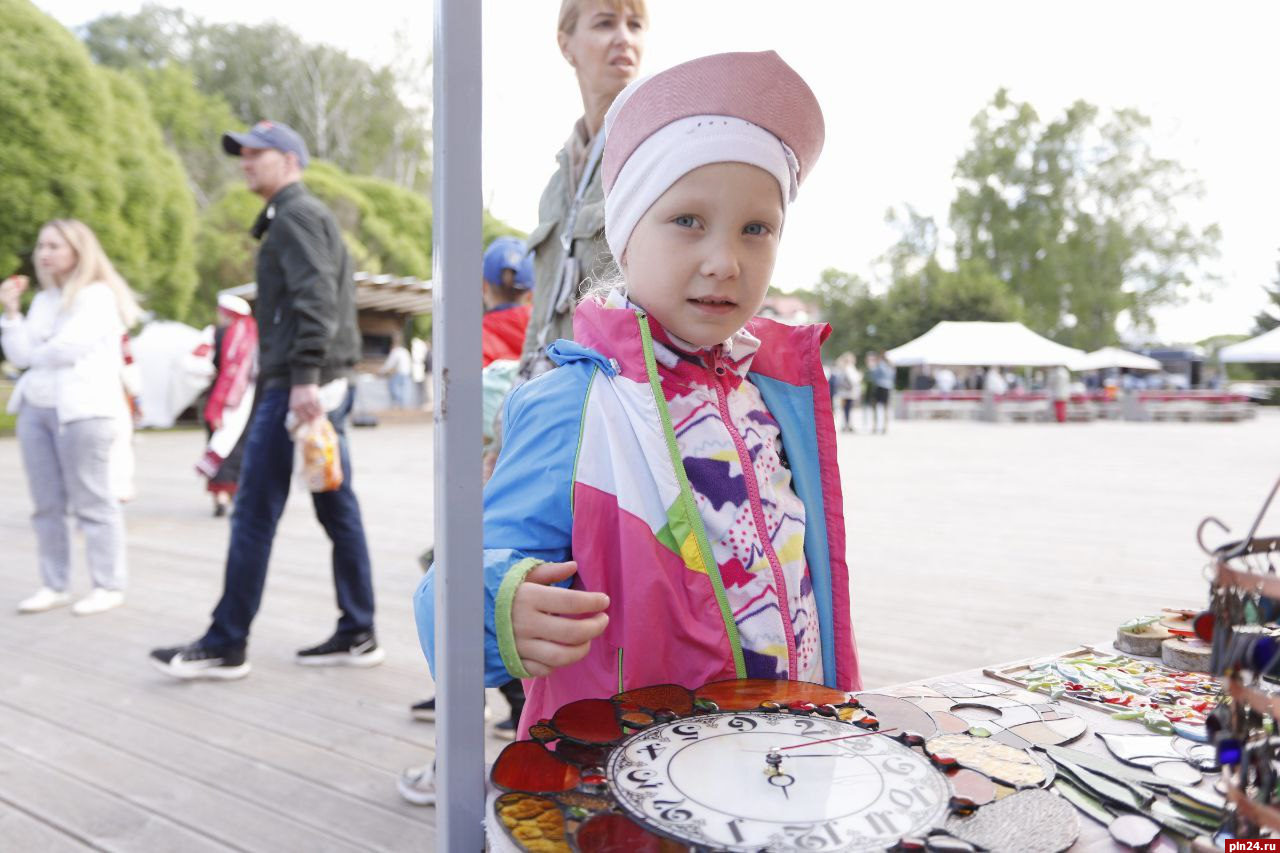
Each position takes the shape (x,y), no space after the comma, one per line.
(667,504)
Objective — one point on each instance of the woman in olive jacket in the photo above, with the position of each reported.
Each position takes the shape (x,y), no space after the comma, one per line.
(603,40)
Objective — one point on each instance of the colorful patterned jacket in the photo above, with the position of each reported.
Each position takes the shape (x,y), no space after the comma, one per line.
(591,471)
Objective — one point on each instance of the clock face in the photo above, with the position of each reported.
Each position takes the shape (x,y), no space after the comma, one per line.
(761,780)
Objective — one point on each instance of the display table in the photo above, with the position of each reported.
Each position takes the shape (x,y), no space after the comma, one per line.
(966,708)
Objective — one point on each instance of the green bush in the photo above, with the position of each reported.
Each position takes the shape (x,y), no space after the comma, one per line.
(80,142)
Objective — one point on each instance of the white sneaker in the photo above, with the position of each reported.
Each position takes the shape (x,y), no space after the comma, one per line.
(418,785)
(44,599)
(98,601)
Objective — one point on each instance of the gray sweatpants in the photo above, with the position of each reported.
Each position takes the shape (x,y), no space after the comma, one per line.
(68,472)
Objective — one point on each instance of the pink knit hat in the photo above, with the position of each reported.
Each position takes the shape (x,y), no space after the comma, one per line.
(761,113)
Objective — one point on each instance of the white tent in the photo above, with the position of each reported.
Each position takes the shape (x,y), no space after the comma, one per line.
(979,344)
(1114,357)
(176,364)
(1263,348)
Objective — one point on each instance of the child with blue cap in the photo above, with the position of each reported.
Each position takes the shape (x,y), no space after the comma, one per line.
(508,283)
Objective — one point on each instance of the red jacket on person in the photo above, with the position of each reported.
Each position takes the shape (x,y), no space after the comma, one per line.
(502,335)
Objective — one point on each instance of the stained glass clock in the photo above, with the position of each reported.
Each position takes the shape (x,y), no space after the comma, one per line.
(736,765)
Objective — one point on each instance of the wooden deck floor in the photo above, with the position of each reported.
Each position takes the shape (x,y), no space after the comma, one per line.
(969,544)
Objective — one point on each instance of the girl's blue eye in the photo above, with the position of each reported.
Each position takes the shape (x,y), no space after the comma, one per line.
(685,221)
(756,229)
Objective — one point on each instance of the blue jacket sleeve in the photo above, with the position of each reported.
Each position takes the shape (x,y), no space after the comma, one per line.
(528,512)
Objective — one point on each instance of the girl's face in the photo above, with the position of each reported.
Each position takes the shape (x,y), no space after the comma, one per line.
(701,258)
(605,45)
(54,255)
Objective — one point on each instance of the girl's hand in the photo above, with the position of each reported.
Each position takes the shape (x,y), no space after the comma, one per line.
(11,293)
(542,619)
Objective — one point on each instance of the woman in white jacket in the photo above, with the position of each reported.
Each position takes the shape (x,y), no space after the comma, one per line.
(68,402)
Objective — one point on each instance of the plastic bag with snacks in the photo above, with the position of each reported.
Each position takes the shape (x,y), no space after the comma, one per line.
(317,461)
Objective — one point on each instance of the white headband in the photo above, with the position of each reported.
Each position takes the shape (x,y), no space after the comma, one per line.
(676,150)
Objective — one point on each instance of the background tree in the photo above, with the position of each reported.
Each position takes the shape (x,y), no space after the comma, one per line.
(1266,320)
(80,142)
(1078,217)
(1269,317)
(366,119)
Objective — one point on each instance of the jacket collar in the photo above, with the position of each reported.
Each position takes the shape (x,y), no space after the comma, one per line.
(282,197)
(609,326)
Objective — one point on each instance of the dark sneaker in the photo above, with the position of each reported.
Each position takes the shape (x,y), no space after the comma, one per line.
(506,730)
(197,661)
(426,710)
(344,650)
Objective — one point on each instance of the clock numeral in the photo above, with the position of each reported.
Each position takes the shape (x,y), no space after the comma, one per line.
(743,724)
(669,810)
(641,779)
(815,837)
(806,724)
(737,833)
(653,750)
(904,799)
(687,732)
(881,822)
(898,766)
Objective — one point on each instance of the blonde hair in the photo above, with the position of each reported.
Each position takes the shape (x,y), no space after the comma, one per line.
(570,11)
(92,267)
(606,279)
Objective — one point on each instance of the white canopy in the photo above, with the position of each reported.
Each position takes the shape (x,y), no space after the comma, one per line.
(1114,357)
(176,364)
(979,344)
(1265,347)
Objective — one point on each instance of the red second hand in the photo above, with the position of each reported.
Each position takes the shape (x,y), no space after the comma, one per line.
(834,739)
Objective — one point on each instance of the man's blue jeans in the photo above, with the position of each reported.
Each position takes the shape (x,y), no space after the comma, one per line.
(265,478)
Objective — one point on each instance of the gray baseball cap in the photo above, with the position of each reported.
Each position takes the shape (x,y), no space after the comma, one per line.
(268,134)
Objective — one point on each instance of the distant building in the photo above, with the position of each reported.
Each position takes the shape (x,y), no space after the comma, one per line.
(383,304)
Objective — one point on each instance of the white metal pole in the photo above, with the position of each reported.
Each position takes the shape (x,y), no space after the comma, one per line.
(456,200)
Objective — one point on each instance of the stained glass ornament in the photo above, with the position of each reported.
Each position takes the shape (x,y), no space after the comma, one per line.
(896,713)
(1085,802)
(588,721)
(1178,772)
(1005,764)
(1031,821)
(527,766)
(535,823)
(1134,831)
(1157,696)
(973,786)
(583,755)
(672,697)
(746,694)
(616,833)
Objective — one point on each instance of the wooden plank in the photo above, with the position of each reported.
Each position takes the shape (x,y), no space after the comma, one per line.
(21,831)
(185,745)
(357,777)
(99,819)
(192,803)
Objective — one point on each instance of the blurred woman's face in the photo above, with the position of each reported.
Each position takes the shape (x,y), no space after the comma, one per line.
(605,46)
(53,255)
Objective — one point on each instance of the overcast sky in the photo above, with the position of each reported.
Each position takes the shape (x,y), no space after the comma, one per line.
(899,83)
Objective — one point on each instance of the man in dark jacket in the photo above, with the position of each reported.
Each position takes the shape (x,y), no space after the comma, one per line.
(309,343)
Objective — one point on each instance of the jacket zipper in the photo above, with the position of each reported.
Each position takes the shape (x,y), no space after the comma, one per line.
(718,380)
(686,498)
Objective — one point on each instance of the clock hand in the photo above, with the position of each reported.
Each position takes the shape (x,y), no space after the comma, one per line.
(776,779)
(834,739)
(774,749)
